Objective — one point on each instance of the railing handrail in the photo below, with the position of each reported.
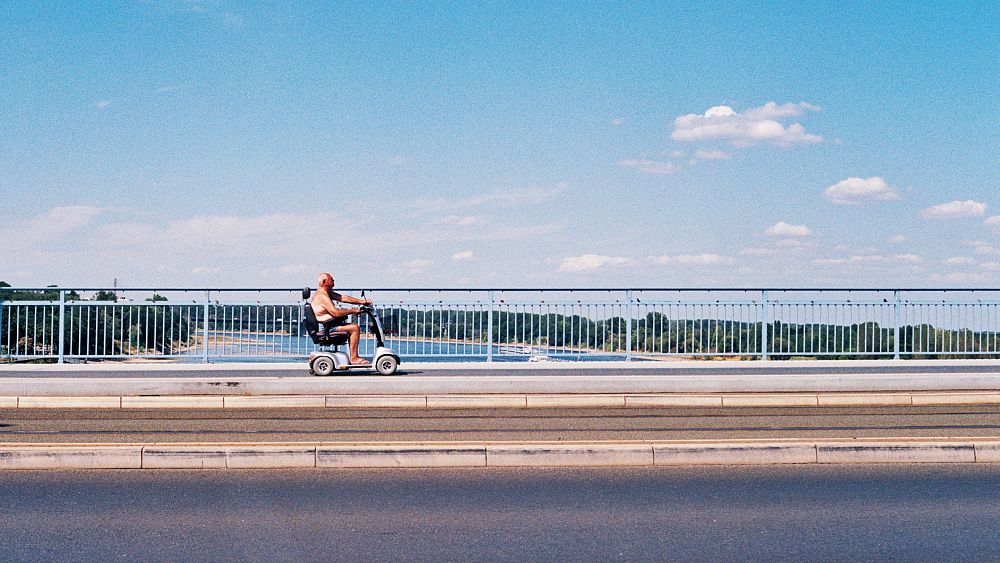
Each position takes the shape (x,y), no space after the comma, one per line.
(515,289)
(678,321)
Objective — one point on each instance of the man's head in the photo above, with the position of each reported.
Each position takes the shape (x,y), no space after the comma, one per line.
(325,280)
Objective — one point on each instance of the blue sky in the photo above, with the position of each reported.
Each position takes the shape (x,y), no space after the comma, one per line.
(180,143)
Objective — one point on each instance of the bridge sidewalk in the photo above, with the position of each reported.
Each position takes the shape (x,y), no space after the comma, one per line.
(555,384)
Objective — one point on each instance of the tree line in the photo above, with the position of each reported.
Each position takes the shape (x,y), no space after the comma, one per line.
(135,329)
(656,333)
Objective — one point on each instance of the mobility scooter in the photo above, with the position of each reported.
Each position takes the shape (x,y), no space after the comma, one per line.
(325,362)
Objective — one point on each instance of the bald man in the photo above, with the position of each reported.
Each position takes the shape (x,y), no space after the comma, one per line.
(333,318)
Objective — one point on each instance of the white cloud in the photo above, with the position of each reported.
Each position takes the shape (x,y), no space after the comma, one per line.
(101,104)
(171,88)
(990,266)
(872,259)
(984,249)
(789,243)
(757,251)
(647,166)
(285,272)
(417,264)
(898,239)
(205,270)
(460,220)
(760,124)
(704,259)
(853,191)
(954,210)
(711,155)
(617,121)
(464,255)
(963,277)
(512,197)
(993,221)
(399,160)
(960,261)
(590,262)
(783,229)
(57,222)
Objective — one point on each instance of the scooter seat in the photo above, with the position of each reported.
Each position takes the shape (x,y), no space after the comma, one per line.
(335,338)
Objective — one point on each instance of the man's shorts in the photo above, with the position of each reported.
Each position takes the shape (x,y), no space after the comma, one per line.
(326,327)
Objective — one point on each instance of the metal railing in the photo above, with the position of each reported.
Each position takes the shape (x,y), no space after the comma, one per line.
(500,324)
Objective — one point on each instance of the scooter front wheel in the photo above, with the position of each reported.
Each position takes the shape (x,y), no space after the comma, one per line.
(386,365)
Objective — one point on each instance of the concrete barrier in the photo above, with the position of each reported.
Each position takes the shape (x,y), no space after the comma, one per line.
(955,398)
(186,402)
(272,401)
(899,452)
(378,402)
(987,452)
(765,400)
(863,400)
(183,457)
(477,401)
(70,457)
(733,454)
(270,457)
(390,455)
(69,403)
(569,400)
(567,455)
(673,400)
(298,455)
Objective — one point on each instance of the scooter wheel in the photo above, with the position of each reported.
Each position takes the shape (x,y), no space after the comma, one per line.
(386,365)
(322,366)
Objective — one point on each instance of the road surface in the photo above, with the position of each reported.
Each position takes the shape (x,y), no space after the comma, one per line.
(867,513)
(395,425)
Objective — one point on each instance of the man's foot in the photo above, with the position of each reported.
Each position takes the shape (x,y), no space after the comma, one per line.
(360,362)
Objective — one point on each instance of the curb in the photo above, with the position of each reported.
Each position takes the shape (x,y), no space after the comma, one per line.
(506,401)
(559,454)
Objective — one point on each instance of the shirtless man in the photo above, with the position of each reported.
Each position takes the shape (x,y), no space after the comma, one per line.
(322,305)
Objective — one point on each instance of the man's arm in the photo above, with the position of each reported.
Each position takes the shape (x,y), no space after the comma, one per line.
(329,307)
(351,300)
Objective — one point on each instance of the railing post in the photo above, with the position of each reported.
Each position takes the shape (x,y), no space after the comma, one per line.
(62,326)
(763,326)
(628,325)
(895,324)
(204,330)
(489,328)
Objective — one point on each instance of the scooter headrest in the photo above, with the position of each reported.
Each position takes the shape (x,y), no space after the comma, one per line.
(306,292)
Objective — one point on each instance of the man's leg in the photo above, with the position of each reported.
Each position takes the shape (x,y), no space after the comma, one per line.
(355,337)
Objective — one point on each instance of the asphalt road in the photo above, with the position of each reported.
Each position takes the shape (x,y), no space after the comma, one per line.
(426,369)
(806,513)
(373,425)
